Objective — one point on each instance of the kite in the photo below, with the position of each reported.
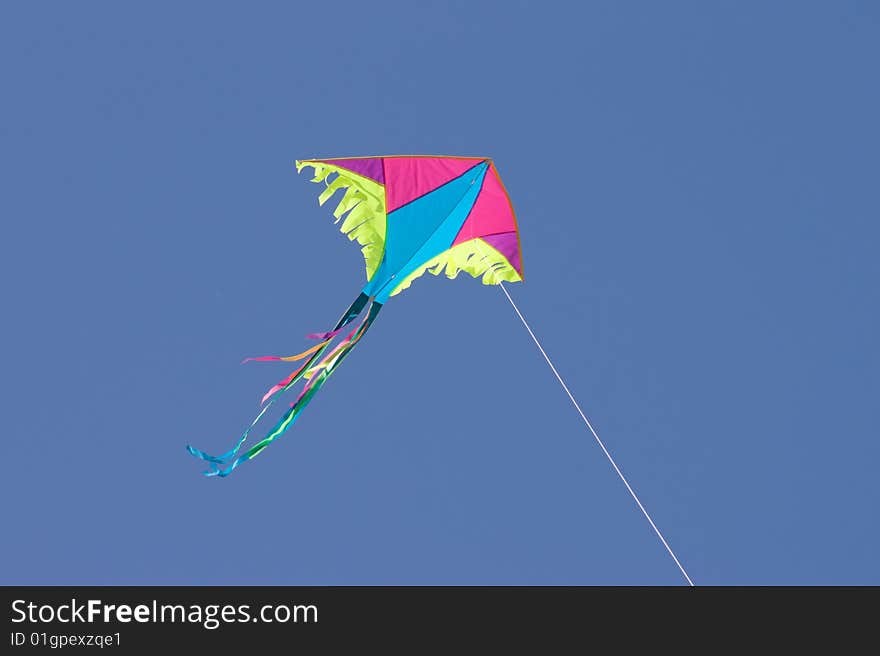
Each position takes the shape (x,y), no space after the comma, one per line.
(410,215)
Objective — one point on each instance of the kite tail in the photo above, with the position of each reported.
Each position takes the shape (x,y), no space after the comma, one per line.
(318,375)
(316,369)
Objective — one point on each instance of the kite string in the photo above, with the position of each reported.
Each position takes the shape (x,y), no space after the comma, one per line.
(596,435)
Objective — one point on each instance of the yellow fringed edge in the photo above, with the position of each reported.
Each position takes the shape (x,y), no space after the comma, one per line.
(362,206)
(475,257)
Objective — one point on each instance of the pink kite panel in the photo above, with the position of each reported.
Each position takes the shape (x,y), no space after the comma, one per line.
(408,178)
(491,213)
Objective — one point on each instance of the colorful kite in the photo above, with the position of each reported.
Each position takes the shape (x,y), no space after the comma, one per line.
(410,214)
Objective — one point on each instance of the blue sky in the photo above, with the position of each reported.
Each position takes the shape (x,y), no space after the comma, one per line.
(696,187)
